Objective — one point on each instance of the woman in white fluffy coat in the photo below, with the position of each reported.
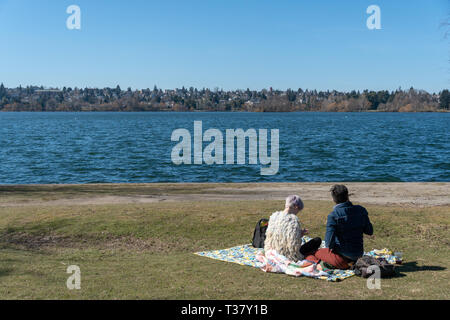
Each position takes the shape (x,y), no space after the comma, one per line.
(284,233)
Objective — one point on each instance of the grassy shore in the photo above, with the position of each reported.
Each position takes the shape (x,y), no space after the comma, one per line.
(135,249)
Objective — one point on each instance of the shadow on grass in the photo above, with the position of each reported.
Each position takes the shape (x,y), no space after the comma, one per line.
(5,272)
(413,267)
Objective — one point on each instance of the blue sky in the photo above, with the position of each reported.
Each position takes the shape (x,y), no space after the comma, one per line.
(227,44)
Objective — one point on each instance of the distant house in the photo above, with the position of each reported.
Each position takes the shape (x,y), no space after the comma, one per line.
(48,91)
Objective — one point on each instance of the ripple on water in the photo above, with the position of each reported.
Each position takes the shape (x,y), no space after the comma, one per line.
(136,147)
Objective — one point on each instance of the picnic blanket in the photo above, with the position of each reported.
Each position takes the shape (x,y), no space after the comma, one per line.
(271,261)
(386,254)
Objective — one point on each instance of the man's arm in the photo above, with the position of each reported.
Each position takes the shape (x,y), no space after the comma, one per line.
(330,232)
(368,228)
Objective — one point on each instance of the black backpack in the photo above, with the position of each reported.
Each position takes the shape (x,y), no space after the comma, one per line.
(259,235)
(361,265)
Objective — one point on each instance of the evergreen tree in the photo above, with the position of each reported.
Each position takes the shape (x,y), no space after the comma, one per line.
(291,95)
(118,90)
(2,91)
(444,99)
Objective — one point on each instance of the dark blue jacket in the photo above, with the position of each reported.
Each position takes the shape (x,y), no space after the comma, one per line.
(345,228)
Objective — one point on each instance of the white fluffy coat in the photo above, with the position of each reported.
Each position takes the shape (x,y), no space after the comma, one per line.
(284,235)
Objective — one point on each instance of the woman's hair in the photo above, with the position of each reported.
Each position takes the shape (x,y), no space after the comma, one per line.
(294,200)
(339,192)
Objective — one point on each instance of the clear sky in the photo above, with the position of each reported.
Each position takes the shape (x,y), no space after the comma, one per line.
(229,44)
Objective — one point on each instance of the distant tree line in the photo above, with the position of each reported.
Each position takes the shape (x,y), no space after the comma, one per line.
(33,98)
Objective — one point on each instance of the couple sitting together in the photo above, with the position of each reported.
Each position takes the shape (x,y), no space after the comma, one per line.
(343,237)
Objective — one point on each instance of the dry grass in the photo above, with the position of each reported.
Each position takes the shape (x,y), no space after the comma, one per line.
(144,251)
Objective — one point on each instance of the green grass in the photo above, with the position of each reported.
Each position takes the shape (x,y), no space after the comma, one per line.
(144,251)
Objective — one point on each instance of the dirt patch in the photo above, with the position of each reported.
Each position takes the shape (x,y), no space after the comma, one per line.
(422,194)
(43,242)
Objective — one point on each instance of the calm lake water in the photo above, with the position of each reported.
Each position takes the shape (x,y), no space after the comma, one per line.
(136,147)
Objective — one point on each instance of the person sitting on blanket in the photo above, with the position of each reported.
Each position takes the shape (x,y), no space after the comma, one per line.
(284,233)
(344,233)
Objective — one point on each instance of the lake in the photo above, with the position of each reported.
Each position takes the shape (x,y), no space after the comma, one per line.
(136,147)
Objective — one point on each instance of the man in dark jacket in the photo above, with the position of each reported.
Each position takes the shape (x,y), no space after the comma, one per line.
(344,235)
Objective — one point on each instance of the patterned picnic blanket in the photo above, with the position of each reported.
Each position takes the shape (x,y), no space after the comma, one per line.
(270,261)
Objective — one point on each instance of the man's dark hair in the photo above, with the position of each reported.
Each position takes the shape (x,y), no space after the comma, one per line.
(339,192)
